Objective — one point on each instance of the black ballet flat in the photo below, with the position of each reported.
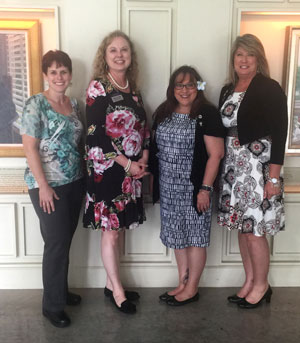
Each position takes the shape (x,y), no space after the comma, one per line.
(130,295)
(234,299)
(173,302)
(126,306)
(267,296)
(165,296)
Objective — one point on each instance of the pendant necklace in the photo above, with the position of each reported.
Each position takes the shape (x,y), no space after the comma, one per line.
(116,83)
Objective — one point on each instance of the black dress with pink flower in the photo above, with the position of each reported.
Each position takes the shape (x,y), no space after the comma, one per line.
(116,124)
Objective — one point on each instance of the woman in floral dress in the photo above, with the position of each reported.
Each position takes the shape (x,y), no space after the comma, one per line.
(254,111)
(116,153)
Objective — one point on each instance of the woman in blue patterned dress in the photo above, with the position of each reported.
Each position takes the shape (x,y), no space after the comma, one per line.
(117,154)
(188,135)
(254,110)
(51,133)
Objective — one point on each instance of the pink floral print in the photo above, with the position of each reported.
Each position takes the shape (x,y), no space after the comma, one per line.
(116,126)
(119,123)
(94,90)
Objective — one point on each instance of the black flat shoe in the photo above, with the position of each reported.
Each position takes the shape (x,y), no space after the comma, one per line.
(59,319)
(130,295)
(234,299)
(267,296)
(173,302)
(126,306)
(165,296)
(73,299)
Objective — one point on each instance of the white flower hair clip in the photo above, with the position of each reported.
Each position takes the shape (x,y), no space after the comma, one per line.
(201,85)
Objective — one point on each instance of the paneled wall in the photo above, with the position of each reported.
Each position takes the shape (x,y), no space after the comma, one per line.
(167,34)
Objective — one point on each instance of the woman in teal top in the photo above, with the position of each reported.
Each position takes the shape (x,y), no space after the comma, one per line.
(59,136)
(51,134)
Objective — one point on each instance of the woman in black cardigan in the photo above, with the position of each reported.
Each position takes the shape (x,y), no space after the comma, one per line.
(189,146)
(254,111)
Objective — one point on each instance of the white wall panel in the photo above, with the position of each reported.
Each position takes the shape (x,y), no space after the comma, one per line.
(149,0)
(33,242)
(286,245)
(151,30)
(8,227)
(230,249)
(143,244)
(261,1)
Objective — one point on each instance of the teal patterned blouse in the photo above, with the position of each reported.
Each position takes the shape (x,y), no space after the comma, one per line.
(59,137)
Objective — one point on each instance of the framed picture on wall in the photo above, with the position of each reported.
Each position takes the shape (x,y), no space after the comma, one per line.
(292,78)
(20,77)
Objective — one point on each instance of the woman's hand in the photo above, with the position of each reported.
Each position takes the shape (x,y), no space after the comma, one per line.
(271,190)
(203,200)
(46,193)
(138,169)
(47,196)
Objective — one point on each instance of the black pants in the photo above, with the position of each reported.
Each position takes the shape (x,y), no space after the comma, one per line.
(57,230)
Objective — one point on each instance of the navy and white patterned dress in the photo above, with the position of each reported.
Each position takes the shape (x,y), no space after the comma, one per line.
(242,204)
(181,226)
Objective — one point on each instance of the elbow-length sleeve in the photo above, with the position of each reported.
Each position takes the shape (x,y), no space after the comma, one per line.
(97,141)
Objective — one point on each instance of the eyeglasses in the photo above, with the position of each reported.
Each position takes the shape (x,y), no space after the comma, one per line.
(190,85)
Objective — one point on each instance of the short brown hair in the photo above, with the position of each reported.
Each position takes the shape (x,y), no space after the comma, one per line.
(58,56)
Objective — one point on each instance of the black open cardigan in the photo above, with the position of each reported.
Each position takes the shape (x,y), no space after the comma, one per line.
(262,113)
(208,123)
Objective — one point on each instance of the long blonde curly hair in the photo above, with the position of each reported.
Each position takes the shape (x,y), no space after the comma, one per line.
(100,65)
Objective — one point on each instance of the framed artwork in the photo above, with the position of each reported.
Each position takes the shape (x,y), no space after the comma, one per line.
(20,77)
(292,74)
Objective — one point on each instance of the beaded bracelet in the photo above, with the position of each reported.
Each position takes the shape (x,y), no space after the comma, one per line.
(128,165)
(207,188)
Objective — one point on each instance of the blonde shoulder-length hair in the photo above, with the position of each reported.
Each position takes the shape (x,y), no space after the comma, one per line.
(254,46)
(100,66)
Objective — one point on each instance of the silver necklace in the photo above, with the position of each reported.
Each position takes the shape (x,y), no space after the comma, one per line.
(116,83)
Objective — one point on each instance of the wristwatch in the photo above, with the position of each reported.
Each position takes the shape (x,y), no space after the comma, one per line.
(274,181)
(207,188)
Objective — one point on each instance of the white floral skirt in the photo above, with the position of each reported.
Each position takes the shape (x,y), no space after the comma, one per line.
(241,203)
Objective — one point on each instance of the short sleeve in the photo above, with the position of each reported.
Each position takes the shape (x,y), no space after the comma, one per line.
(212,122)
(31,123)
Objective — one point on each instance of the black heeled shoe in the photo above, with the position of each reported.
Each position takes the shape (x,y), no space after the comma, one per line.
(165,296)
(73,299)
(174,302)
(126,306)
(267,296)
(130,295)
(234,299)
